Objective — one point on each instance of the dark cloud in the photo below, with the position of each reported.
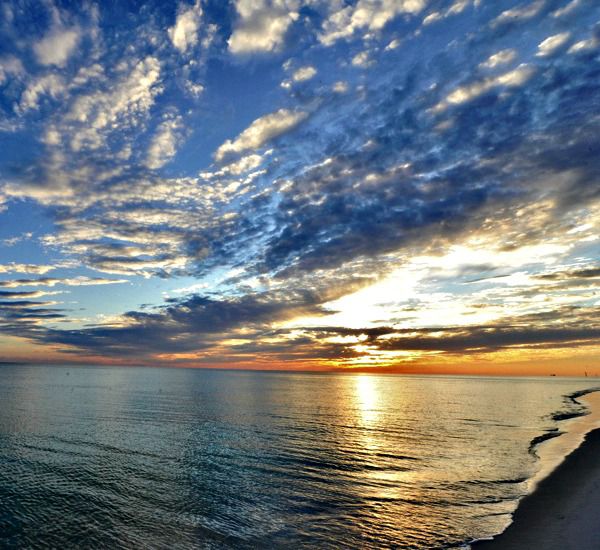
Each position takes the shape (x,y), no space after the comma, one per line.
(4,294)
(496,338)
(587,273)
(23,317)
(190,324)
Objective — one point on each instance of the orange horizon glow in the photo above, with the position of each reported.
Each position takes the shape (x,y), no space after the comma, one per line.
(565,363)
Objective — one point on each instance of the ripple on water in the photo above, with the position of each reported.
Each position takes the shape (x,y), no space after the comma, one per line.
(177,458)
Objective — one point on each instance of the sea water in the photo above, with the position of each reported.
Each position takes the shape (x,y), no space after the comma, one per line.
(181,458)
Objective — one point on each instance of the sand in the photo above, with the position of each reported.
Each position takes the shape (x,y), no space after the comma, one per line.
(564,510)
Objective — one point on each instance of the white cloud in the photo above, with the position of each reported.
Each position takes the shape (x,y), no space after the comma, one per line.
(500,58)
(516,77)
(513,78)
(26,268)
(52,137)
(362,59)
(300,75)
(118,107)
(583,45)
(372,15)
(184,33)
(49,85)
(340,87)
(164,143)
(304,73)
(432,18)
(262,25)
(194,89)
(570,7)
(88,73)
(456,8)
(12,241)
(393,45)
(552,43)
(57,46)
(192,288)
(10,66)
(245,164)
(51,281)
(516,14)
(261,131)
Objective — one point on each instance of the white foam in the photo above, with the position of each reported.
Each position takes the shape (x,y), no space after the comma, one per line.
(553,451)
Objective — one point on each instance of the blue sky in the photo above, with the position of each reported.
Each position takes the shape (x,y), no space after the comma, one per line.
(286,184)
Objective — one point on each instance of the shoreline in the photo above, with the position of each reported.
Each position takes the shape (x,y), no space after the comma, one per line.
(562,512)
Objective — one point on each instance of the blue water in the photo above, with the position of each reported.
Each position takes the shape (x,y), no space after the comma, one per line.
(178,458)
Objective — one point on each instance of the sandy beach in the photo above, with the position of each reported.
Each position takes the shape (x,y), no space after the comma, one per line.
(564,510)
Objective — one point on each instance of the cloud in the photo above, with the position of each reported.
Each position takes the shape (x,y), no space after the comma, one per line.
(184,34)
(362,59)
(196,323)
(10,66)
(534,331)
(501,58)
(454,9)
(519,14)
(445,142)
(583,46)
(464,94)
(50,281)
(432,18)
(26,268)
(340,87)
(262,25)
(4,294)
(552,43)
(493,338)
(261,131)
(372,15)
(57,46)
(195,89)
(164,143)
(568,9)
(17,318)
(116,107)
(241,166)
(12,241)
(300,75)
(49,85)
(304,73)
(587,273)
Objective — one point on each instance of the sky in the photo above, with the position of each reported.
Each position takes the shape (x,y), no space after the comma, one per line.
(377,185)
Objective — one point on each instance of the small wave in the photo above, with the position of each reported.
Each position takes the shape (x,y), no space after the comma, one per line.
(515,481)
(550,434)
(580,393)
(558,416)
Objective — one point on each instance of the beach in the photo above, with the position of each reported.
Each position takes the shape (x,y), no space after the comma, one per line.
(564,510)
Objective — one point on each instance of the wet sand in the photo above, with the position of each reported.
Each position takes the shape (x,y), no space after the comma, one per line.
(564,510)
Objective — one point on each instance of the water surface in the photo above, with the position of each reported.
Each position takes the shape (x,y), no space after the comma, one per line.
(178,458)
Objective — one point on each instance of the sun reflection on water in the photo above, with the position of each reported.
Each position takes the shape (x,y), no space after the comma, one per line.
(367,399)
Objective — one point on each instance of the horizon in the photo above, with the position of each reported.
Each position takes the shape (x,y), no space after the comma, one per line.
(400,371)
(406,187)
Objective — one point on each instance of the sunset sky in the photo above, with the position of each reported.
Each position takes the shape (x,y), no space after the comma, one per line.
(402,185)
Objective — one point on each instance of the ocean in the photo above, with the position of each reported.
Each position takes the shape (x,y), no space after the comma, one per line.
(180,458)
